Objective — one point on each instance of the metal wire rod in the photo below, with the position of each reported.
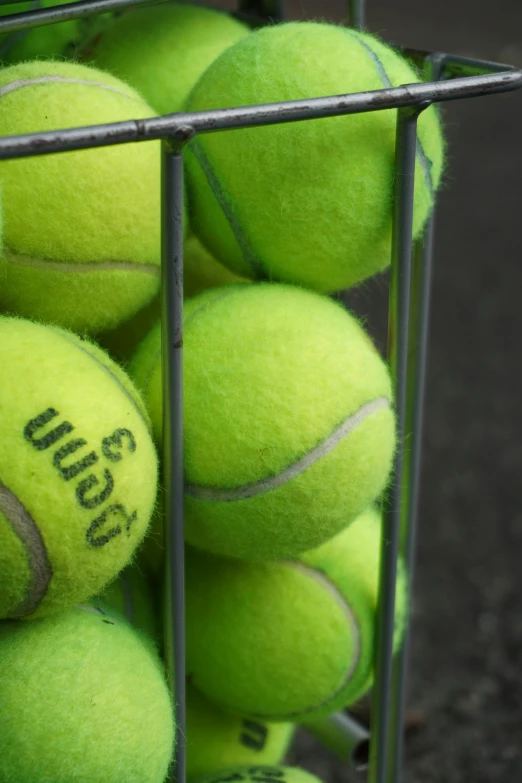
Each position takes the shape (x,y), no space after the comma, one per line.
(418,325)
(181,127)
(173,473)
(400,277)
(357,14)
(344,736)
(63,13)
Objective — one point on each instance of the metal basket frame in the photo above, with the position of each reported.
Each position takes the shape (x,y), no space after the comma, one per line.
(446,78)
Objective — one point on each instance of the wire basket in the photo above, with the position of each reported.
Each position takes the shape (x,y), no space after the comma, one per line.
(446,78)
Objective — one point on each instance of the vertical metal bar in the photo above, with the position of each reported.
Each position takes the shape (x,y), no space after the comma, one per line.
(405,155)
(172,365)
(417,359)
(416,381)
(356,14)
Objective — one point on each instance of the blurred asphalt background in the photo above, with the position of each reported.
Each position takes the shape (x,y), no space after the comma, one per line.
(466,672)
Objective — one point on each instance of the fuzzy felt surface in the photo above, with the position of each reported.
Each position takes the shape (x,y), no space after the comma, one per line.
(307,202)
(81,229)
(291,639)
(78,469)
(272,375)
(216,740)
(83,699)
(200,272)
(162,51)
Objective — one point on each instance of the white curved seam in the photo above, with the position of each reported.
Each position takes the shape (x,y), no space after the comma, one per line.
(57,266)
(19,84)
(228,494)
(27,531)
(107,370)
(351,618)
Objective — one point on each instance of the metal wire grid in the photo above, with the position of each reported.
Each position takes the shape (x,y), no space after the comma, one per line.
(446,78)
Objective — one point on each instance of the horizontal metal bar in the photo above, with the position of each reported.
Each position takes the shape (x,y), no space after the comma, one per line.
(451,65)
(63,13)
(181,127)
(455,66)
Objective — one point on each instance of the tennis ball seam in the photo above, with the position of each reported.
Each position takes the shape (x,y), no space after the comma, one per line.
(19,84)
(25,528)
(423,158)
(323,448)
(330,586)
(250,257)
(254,262)
(11,257)
(106,369)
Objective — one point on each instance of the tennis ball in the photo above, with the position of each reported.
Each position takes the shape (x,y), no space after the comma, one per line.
(288,428)
(200,271)
(320,213)
(47,41)
(78,469)
(261,774)
(216,740)
(162,51)
(81,229)
(132,594)
(288,639)
(82,698)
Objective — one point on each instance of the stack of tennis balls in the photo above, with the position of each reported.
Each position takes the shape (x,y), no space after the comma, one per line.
(78,466)
(288,430)
(78,476)
(289,424)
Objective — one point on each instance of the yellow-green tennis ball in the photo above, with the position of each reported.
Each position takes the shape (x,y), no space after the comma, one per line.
(78,469)
(133,595)
(82,698)
(47,41)
(202,271)
(320,213)
(81,229)
(216,740)
(293,638)
(259,774)
(162,51)
(289,432)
